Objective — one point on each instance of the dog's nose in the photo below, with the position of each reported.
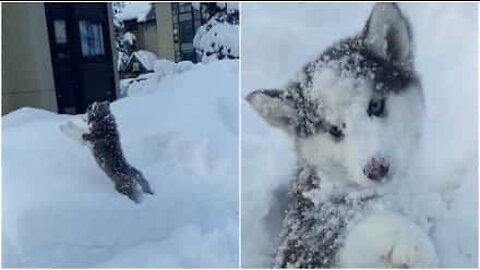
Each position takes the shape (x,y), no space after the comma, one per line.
(376,169)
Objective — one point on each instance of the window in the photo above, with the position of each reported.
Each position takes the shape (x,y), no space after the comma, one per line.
(197,14)
(185,7)
(136,67)
(60,31)
(91,36)
(185,17)
(188,56)
(187,46)
(186,31)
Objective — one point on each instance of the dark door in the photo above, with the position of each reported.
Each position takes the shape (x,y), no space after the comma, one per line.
(81,54)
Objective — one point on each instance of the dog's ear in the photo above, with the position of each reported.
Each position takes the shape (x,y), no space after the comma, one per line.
(388,34)
(274,107)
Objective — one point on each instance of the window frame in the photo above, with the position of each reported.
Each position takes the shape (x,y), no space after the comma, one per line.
(91,31)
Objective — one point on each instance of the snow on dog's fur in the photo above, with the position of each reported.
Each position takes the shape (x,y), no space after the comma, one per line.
(355,114)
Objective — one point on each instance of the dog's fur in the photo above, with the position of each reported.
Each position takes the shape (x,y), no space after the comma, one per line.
(359,102)
(105,143)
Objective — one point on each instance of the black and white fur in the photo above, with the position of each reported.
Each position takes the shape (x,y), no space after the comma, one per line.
(355,116)
(104,139)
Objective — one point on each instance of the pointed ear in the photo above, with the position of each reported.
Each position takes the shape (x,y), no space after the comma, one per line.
(388,34)
(275,108)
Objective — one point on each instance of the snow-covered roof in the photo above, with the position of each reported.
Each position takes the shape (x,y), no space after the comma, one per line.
(132,11)
(146,58)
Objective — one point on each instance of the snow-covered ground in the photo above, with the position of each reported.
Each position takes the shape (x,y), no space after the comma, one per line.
(60,210)
(277,39)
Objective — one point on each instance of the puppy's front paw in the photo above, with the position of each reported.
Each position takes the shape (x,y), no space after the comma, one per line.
(387,240)
(74,131)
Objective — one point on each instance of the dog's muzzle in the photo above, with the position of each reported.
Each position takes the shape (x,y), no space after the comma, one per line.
(376,169)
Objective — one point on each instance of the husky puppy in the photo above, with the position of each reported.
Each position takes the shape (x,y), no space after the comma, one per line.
(355,116)
(104,139)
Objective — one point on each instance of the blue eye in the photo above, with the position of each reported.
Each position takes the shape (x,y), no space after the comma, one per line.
(376,108)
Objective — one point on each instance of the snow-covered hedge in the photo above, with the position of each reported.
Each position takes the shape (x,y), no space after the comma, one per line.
(218,38)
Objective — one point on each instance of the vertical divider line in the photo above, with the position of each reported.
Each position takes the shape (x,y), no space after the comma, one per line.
(240,135)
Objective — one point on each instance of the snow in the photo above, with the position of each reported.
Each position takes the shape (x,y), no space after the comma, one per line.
(396,237)
(218,38)
(133,11)
(278,39)
(60,210)
(145,57)
(232,7)
(165,67)
(149,82)
(223,35)
(129,37)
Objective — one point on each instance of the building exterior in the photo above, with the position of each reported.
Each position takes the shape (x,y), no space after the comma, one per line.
(139,19)
(165,43)
(186,20)
(57,56)
(166,29)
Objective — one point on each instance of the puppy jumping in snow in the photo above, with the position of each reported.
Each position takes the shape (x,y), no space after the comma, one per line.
(104,139)
(355,116)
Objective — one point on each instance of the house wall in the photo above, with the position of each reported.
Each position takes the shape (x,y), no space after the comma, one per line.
(163,15)
(147,37)
(27,75)
(114,51)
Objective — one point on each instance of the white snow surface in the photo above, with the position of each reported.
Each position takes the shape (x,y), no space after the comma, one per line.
(133,11)
(145,57)
(61,210)
(149,82)
(278,39)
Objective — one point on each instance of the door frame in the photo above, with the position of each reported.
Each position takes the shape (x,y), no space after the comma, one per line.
(68,12)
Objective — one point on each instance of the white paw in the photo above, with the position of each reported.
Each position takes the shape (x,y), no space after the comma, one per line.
(74,130)
(385,240)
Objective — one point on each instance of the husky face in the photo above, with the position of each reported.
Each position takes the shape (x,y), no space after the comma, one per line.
(355,112)
(97,111)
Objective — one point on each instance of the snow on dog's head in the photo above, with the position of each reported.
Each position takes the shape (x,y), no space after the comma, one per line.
(97,112)
(356,111)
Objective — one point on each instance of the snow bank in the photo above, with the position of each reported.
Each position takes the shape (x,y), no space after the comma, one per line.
(145,57)
(60,210)
(167,68)
(149,82)
(445,38)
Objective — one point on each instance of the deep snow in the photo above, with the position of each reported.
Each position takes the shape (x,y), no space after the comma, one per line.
(277,39)
(60,210)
